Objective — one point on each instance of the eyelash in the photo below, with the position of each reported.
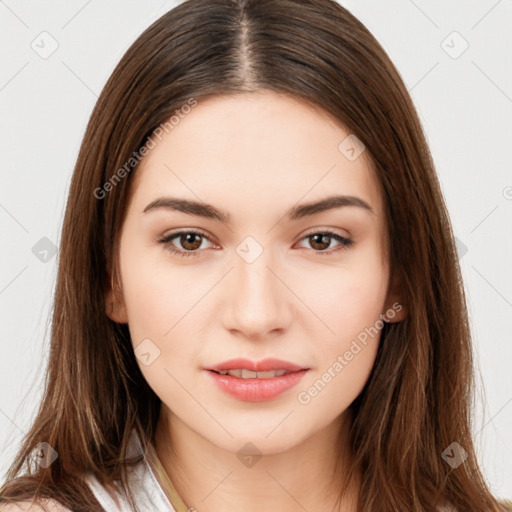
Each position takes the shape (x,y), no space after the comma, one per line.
(166,239)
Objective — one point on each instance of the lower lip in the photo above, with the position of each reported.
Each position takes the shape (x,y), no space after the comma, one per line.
(256,390)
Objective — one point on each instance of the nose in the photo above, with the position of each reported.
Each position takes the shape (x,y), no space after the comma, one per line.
(257,301)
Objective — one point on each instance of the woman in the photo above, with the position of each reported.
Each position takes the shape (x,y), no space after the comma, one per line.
(259,303)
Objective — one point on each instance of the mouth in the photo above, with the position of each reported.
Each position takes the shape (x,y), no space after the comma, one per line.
(250,386)
(247,369)
(243,373)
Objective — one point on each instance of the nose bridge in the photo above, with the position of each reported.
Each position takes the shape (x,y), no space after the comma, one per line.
(257,296)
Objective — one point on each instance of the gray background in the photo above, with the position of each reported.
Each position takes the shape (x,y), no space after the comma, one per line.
(465,102)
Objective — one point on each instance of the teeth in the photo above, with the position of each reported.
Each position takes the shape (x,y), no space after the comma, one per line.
(242,373)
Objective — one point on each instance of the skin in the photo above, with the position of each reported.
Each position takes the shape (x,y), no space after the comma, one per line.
(254,156)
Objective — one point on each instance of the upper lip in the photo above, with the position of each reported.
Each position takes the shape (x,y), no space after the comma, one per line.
(264,365)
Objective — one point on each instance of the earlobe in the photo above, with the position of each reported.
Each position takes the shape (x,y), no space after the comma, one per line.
(396,310)
(395,313)
(115,306)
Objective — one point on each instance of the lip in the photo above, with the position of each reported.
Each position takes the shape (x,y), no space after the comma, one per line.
(256,390)
(264,365)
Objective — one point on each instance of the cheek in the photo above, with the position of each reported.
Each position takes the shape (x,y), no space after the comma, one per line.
(156,287)
(349,300)
(346,353)
(346,298)
(157,296)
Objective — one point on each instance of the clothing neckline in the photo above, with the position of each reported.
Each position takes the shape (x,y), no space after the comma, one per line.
(151,487)
(162,478)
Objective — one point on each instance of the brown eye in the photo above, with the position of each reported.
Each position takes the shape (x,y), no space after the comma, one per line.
(188,242)
(320,241)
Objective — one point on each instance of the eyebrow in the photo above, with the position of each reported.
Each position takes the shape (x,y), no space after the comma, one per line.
(296,212)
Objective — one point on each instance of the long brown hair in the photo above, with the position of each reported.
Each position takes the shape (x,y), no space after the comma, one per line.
(418,399)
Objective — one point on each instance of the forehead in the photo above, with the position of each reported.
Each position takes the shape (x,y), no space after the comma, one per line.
(253,150)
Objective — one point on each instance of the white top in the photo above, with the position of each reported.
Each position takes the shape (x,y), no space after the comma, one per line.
(148,494)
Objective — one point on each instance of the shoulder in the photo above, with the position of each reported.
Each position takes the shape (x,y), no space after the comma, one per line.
(27,506)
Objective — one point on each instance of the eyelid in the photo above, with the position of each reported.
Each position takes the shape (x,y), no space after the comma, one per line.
(326,229)
(205,235)
(343,241)
(173,234)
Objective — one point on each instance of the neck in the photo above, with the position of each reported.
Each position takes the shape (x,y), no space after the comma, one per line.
(209,478)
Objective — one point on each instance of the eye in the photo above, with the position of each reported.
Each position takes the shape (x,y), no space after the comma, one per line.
(190,240)
(320,239)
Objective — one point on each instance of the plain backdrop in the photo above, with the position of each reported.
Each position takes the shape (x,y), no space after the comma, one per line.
(455,58)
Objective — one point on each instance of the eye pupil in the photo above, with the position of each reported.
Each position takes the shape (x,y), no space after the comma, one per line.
(188,238)
(319,239)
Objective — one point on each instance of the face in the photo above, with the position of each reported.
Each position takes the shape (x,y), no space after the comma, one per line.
(251,280)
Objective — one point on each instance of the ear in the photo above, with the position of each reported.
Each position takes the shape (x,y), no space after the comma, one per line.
(395,309)
(115,305)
